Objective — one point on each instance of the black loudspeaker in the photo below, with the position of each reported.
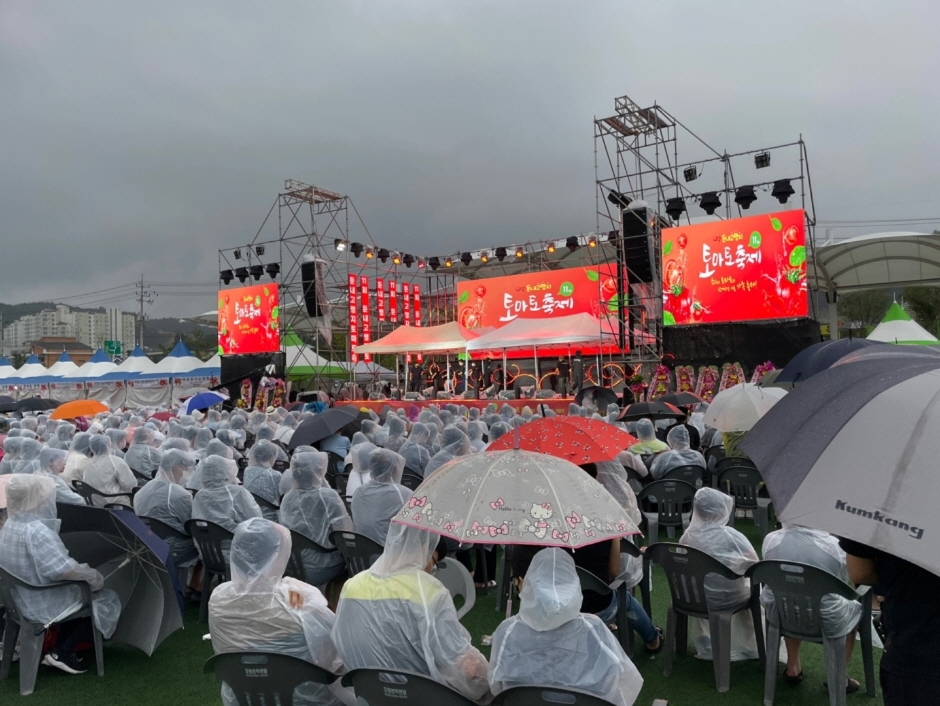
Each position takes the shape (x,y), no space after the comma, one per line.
(636,245)
(308,276)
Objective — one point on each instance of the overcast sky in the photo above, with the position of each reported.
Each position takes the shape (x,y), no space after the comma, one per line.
(141,138)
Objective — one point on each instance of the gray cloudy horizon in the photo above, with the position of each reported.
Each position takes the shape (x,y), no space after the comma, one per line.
(140,139)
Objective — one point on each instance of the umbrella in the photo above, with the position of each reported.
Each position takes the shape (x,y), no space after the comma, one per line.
(516,497)
(37,404)
(650,410)
(79,408)
(7,403)
(575,439)
(162,416)
(855,454)
(680,399)
(890,350)
(295,405)
(203,400)
(603,396)
(135,563)
(818,357)
(321,425)
(739,407)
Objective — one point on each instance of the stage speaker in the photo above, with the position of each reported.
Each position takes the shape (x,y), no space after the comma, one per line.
(312,273)
(636,245)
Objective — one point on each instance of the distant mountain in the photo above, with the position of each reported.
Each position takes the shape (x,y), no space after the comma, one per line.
(167,331)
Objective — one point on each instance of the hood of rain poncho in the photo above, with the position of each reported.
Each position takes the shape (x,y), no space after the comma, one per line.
(144,436)
(99,445)
(368,427)
(613,476)
(386,466)
(31,498)
(420,434)
(28,462)
(361,457)
(359,438)
(454,443)
(396,432)
(407,549)
(203,437)
(308,469)
(218,472)
(176,467)
(118,439)
(260,552)
(476,431)
(265,432)
(143,458)
(80,443)
(218,448)
(679,453)
(49,458)
(178,443)
(190,433)
(497,430)
(263,454)
(226,436)
(551,592)
(645,431)
(416,453)
(678,438)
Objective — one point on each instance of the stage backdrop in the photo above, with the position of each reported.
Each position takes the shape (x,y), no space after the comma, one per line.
(249,320)
(744,269)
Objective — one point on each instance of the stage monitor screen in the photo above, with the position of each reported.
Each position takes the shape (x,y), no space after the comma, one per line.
(745,269)
(249,320)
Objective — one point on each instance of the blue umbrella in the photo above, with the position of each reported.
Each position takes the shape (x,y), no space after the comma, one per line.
(203,400)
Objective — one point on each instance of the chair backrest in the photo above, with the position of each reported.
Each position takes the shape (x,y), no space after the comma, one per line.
(336,463)
(379,687)
(553,695)
(458,581)
(743,483)
(83,490)
(281,466)
(798,591)
(208,537)
(411,479)
(161,529)
(265,678)
(264,504)
(686,569)
(88,492)
(140,475)
(593,583)
(359,551)
(713,454)
(647,460)
(673,498)
(342,480)
(8,582)
(690,474)
(724,463)
(295,565)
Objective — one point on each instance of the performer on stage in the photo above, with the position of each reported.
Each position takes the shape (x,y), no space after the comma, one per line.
(564,376)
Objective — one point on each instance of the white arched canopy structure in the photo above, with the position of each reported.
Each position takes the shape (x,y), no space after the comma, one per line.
(876,261)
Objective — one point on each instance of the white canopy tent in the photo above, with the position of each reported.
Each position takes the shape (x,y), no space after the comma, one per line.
(576,329)
(898,327)
(32,368)
(446,338)
(63,366)
(136,362)
(178,360)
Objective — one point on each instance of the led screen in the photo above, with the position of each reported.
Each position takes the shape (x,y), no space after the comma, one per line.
(249,320)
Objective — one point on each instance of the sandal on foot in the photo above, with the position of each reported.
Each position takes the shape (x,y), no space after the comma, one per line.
(662,642)
(794,679)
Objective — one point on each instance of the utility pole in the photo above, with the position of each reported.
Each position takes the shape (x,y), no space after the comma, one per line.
(144,296)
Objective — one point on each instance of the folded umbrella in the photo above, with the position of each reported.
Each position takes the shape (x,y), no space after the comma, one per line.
(203,400)
(322,425)
(79,408)
(650,410)
(739,407)
(575,439)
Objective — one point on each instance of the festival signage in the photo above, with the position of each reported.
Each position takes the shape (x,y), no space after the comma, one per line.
(353,299)
(249,320)
(744,269)
(366,316)
(538,295)
(380,297)
(416,309)
(406,302)
(393,301)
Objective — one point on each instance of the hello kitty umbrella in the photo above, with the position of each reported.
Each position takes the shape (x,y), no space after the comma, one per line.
(516,497)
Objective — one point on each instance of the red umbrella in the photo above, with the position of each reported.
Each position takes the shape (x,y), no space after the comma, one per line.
(575,439)
(162,416)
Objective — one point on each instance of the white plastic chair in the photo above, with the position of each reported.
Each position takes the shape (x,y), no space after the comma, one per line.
(458,581)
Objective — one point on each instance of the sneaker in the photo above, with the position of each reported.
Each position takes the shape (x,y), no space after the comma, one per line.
(70,664)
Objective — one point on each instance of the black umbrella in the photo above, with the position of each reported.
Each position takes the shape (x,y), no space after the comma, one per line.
(650,410)
(680,399)
(818,357)
(321,425)
(7,404)
(355,425)
(603,396)
(36,404)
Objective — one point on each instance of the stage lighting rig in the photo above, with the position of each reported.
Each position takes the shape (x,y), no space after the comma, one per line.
(762,159)
(745,196)
(356,249)
(550,246)
(259,250)
(710,202)
(434,263)
(421,263)
(690,173)
(256,271)
(383,255)
(237,253)
(500,254)
(370,253)
(273,270)
(675,207)
(396,258)
(340,245)
(448,262)
(242,274)
(466,258)
(484,257)
(520,252)
(592,241)
(572,243)
(226,276)
(782,190)
(619,199)
(409,260)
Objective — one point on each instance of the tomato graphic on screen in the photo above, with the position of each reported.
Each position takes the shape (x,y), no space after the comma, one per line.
(468,317)
(608,289)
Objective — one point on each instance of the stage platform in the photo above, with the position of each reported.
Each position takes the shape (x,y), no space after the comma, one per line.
(559,405)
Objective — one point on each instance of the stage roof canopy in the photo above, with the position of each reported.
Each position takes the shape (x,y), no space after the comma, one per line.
(879,260)
(446,338)
(576,330)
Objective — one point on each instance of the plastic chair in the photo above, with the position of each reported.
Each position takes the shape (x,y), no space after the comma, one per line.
(713,454)
(731,462)
(458,581)
(281,466)
(411,479)
(265,504)
(141,477)
(383,687)
(342,481)
(673,506)
(209,537)
(686,569)
(798,592)
(690,474)
(164,531)
(334,468)
(359,551)
(540,695)
(593,583)
(260,678)
(298,543)
(89,492)
(32,635)
(744,483)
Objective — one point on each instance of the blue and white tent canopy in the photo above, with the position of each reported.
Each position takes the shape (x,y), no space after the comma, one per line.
(98,365)
(136,363)
(63,366)
(32,368)
(178,360)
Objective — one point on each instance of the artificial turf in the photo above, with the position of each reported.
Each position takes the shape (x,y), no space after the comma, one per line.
(173,675)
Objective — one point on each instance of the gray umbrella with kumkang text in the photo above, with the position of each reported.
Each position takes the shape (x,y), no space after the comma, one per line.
(856,452)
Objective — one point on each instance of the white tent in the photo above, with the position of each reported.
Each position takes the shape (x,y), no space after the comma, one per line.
(179,360)
(32,368)
(63,366)
(446,338)
(136,362)
(898,327)
(364,372)
(6,368)
(576,329)
(99,364)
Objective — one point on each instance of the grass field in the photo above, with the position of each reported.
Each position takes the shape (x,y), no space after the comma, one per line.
(173,676)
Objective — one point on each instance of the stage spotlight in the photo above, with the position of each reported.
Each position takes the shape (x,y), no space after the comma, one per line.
(409,260)
(242,274)
(592,241)
(421,263)
(466,258)
(613,236)
(618,199)
(383,255)
(256,271)
(675,207)
(520,252)
(690,173)
(225,276)
(370,253)
(762,159)
(237,253)
(484,256)
(500,254)
(710,202)
(259,250)
(273,270)
(356,249)
(340,244)
(550,246)
(745,196)
(572,243)
(448,262)
(396,258)
(434,263)
(782,190)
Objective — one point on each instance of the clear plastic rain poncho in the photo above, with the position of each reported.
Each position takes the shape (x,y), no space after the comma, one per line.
(31,550)
(237,425)
(454,443)
(434,442)
(141,455)
(51,465)
(368,427)
(708,531)
(118,441)
(176,442)
(254,611)
(63,435)
(78,458)
(255,420)
(497,429)
(375,504)
(314,510)
(267,432)
(260,479)
(415,450)
(396,433)
(552,643)
(648,444)
(203,437)
(697,419)
(839,616)
(166,499)
(228,437)
(214,448)
(613,477)
(28,462)
(106,473)
(359,473)
(11,454)
(395,615)
(679,454)
(222,501)
(475,432)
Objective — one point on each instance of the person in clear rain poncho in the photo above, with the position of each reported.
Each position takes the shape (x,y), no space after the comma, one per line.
(28,462)
(708,531)
(375,504)
(214,448)
(613,477)
(11,454)
(63,436)
(203,437)
(166,499)
(52,464)
(31,550)
(475,432)
(648,444)
(141,455)
(454,443)
(368,427)
(679,454)
(395,615)
(552,643)
(267,432)
(227,437)
(260,479)
(359,474)
(78,458)
(497,429)
(221,500)
(396,433)
(415,449)
(118,441)
(314,510)
(258,610)
(839,616)
(107,474)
